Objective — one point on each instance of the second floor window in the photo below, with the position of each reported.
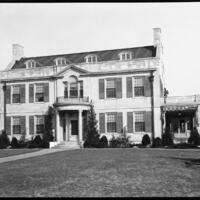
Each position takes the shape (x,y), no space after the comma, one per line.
(16,94)
(39,96)
(111,89)
(16,125)
(111,123)
(39,124)
(139,122)
(73,90)
(138,86)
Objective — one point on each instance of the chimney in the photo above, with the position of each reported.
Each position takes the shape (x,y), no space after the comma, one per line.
(157,36)
(18,51)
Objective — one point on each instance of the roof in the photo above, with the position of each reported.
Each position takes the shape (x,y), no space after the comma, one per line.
(105,55)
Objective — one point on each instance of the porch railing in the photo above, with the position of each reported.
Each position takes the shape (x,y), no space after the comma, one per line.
(72,100)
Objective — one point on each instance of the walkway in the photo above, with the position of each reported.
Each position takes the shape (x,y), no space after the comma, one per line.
(32,154)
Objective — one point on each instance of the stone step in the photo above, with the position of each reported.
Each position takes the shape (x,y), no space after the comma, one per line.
(67,145)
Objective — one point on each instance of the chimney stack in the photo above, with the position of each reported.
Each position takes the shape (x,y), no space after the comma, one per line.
(18,51)
(157,36)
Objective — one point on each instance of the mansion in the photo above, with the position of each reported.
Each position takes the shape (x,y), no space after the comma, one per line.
(126,87)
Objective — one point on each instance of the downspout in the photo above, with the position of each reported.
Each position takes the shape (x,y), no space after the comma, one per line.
(4,113)
(151,78)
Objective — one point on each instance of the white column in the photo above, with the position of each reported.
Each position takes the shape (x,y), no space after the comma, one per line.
(57,126)
(80,127)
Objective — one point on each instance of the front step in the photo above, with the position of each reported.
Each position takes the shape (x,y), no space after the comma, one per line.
(67,145)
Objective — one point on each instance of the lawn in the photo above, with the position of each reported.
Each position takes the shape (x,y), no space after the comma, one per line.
(13,152)
(103,173)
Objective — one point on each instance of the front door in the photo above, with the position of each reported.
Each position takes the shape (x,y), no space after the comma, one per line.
(74,130)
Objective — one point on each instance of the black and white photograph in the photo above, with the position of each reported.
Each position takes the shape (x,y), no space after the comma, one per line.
(100,99)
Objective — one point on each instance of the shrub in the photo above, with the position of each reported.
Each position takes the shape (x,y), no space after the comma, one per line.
(167,139)
(113,142)
(146,140)
(35,143)
(14,143)
(4,140)
(86,144)
(120,142)
(103,142)
(194,137)
(157,142)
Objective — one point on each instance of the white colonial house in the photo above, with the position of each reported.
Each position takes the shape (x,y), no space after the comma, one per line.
(126,87)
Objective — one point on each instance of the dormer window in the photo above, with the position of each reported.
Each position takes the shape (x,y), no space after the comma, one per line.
(91,59)
(30,64)
(60,61)
(125,55)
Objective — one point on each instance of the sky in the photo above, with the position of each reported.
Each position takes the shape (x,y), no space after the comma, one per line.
(59,28)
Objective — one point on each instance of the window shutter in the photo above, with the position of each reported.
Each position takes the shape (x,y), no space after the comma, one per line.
(101,89)
(147,86)
(119,122)
(31,93)
(102,122)
(8,125)
(8,94)
(23,124)
(46,92)
(31,125)
(22,93)
(130,122)
(119,87)
(148,118)
(129,87)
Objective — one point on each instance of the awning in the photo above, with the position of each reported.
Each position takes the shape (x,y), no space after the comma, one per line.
(179,107)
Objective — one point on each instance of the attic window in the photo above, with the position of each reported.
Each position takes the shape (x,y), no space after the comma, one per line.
(125,56)
(30,64)
(91,59)
(60,61)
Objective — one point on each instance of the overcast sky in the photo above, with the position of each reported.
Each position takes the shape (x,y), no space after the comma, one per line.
(49,28)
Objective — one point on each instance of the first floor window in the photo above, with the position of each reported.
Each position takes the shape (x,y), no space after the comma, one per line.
(16,125)
(39,93)
(138,86)
(39,124)
(111,123)
(16,94)
(111,89)
(139,122)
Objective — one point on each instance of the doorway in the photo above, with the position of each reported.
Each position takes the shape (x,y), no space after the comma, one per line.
(74,130)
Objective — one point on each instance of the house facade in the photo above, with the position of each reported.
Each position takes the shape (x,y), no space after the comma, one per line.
(126,87)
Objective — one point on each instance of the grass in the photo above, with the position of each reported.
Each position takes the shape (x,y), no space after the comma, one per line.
(110,172)
(13,152)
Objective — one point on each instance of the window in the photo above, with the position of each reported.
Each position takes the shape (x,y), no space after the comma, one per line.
(125,56)
(139,122)
(39,124)
(81,89)
(39,96)
(111,123)
(111,89)
(138,86)
(60,61)
(16,94)
(16,125)
(30,64)
(91,59)
(73,90)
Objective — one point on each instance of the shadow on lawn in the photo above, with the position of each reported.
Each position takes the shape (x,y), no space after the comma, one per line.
(188,161)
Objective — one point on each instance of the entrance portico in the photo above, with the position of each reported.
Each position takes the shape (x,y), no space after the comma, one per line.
(70,121)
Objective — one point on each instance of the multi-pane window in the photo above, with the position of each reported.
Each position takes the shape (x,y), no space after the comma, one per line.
(111,123)
(81,89)
(61,61)
(16,125)
(111,89)
(73,90)
(125,56)
(138,86)
(16,94)
(139,122)
(39,96)
(39,124)
(91,59)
